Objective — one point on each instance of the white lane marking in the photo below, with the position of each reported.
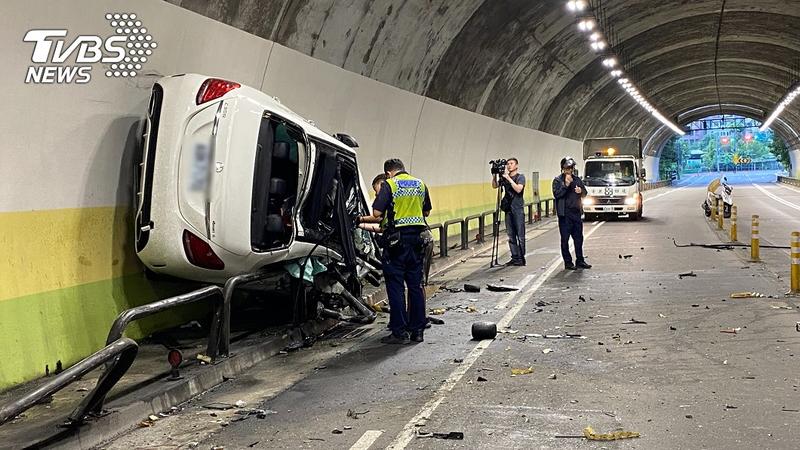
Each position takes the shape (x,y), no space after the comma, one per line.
(367,439)
(663,194)
(407,434)
(776,198)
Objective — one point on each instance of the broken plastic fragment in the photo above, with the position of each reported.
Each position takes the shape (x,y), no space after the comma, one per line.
(591,435)
(437,311)
(747,295)
(526,371)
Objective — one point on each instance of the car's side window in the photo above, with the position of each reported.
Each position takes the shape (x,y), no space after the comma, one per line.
(280,147)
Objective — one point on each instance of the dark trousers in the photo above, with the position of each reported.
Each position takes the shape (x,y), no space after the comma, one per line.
(515,228)
(571,225)
(403,267)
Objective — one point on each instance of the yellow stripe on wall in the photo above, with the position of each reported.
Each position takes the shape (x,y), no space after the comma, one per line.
(42,251)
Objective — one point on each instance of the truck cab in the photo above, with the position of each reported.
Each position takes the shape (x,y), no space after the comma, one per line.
(614,177)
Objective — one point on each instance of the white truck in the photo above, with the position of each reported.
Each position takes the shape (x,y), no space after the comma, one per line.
(614,177)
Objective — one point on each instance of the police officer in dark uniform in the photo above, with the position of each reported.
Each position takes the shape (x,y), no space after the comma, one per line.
(401,206)
(569,190)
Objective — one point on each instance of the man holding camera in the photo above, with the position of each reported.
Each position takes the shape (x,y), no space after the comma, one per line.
(513,205)
(569,190)
(401,205)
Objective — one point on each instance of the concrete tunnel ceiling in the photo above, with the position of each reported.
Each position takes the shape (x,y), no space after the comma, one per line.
(525,62)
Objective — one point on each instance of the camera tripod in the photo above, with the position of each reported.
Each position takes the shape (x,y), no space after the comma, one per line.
(496,231)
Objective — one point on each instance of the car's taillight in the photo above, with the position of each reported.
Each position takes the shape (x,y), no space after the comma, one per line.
(214,88)
(200,253)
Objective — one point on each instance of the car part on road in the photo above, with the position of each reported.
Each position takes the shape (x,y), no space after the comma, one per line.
(471,288)
(687,274)
(456,435)
(747,295)
(501,288)
(730,246)
(484,330)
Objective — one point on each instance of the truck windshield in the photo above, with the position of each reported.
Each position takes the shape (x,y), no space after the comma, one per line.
(609,173)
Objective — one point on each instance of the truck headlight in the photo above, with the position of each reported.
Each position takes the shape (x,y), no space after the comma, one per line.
(588,201)
(632,200)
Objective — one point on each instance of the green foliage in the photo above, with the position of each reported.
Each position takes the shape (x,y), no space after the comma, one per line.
(778,148)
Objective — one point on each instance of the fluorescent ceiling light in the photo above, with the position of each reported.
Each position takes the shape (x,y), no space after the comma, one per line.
(576,5)
(787,100)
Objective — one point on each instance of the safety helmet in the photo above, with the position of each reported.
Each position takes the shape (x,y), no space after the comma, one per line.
(567,162)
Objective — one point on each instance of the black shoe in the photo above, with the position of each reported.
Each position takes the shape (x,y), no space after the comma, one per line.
(584,265)
(510,263)
(394,339)
(417,336)
(570,266)
(519,263)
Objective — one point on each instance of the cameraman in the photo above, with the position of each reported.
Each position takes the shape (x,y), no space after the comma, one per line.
(512,204)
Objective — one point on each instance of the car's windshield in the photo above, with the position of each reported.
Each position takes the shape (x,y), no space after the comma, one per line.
(609,173)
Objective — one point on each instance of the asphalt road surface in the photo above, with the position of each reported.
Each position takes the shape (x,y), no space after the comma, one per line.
(675,359)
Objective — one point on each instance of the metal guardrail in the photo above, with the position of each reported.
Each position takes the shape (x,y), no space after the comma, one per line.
(93,403)
(119,353)
(656,184)
(464,224)
(789,180)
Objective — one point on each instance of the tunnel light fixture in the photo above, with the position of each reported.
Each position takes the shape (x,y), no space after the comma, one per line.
(787,100)
(598,43)
(576,5)
(587,24)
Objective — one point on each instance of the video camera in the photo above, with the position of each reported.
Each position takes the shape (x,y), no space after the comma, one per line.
(498,166)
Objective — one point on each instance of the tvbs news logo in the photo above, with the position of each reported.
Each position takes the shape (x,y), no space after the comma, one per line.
(123,54)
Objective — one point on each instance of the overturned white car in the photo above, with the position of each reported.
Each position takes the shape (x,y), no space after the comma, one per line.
(230,181)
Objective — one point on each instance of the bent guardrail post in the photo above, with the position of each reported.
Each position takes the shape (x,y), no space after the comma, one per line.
(219,340)
(122,352)
(93,403)
(465,234)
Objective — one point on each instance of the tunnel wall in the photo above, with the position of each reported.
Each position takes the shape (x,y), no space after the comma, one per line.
(67,267)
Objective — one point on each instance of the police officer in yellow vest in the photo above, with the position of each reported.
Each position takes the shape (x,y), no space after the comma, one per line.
(401,206)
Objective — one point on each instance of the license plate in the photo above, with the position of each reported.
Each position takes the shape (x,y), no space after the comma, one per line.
(608,208)
(200,167)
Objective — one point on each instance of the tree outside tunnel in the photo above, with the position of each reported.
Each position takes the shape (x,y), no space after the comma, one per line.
(723,143)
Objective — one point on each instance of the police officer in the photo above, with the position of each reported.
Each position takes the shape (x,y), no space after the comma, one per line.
(401,206)
(568,190)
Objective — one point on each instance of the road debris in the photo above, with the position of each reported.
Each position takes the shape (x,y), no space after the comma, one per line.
(454,435)
(731,330)
(625,256)
(552,376)
(547,350)
(437,311)
(219,406)
(687,274)
(591,435)
(355,415)
(471,288)
(747,295)
(524,371)
(634,321)
(501,288)
(336,431)
(203,358)
(481,379)
(484,330)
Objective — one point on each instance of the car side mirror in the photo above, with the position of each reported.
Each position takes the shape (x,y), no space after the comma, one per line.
(644,173)
(346,139)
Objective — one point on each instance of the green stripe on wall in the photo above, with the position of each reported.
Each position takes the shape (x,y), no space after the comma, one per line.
(69,324)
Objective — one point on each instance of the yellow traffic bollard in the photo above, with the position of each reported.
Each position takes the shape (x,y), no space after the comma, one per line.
(795,263)
(754,241)
(720,215)
(714,208)
(734,236)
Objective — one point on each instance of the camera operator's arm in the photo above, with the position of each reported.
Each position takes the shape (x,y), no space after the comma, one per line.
(518,187)
(559,188)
